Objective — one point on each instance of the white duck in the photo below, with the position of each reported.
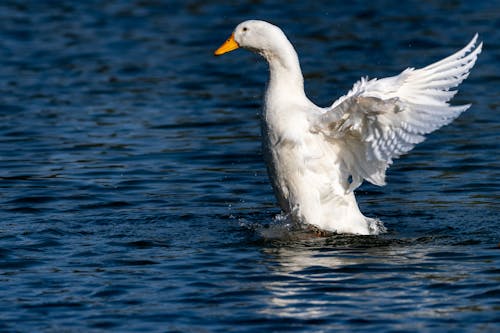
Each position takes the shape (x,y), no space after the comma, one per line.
(316,157)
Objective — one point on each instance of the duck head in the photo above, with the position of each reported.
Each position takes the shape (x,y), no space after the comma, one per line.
(257,36)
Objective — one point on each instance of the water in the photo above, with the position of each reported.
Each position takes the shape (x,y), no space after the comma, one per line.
(134,196)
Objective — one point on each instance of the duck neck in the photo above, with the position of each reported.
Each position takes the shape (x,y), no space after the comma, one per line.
(285,73)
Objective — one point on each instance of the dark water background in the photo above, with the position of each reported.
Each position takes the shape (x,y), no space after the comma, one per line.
(132,183)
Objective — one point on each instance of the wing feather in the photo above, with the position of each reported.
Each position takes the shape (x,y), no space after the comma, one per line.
(381,119)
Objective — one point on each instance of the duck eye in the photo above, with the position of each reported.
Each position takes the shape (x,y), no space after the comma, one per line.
(245,28)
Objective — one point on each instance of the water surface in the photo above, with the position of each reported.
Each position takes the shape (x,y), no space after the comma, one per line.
(133,196)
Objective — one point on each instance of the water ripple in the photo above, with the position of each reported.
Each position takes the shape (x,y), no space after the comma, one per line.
(133,196)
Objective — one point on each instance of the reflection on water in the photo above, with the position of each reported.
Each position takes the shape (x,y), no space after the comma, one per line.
(315,281)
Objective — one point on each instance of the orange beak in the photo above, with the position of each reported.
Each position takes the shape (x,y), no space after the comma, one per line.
(228,46)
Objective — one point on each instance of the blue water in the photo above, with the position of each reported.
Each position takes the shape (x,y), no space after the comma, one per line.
(133,195)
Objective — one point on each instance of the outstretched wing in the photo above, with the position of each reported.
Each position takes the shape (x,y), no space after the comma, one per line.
(379,120)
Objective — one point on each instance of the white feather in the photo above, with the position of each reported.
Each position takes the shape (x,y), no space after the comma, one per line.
(408,106)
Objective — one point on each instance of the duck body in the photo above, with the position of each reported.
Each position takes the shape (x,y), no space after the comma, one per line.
(302,166)
(307,180)
(316,156)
